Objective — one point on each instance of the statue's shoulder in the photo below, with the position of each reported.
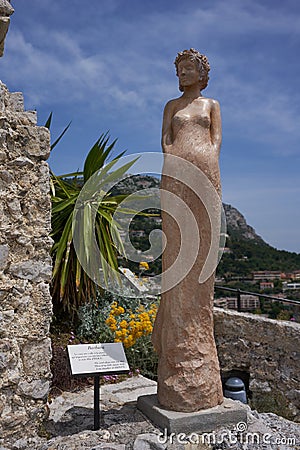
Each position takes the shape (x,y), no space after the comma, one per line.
(172,103)
(213,102)
(171,107)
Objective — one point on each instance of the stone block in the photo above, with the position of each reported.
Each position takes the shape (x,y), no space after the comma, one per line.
(6,177)
(32,270)
(228,414)
(5,8)
(36,357)
(6,318)
(129,390)
(35,141)
(4,25)
(16,101)
(3,156)
(21,161)
(148,441)
(109,446)
(8,355)
(4,254)
(14,208)
(37,389)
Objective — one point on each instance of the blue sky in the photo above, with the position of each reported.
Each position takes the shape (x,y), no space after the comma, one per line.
(108,65)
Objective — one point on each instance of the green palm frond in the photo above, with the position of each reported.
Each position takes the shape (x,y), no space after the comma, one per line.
(71,286)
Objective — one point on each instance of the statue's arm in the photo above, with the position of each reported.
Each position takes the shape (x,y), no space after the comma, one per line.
(216,125)
(167,135)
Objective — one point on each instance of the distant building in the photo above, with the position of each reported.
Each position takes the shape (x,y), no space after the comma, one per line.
(293,286)
(265,275)
(266,285)
(295,275)
(248,302)
(221,302)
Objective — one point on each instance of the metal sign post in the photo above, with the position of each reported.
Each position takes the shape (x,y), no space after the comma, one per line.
(97,408)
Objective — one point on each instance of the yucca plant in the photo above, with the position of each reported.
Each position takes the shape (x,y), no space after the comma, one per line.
(71,286)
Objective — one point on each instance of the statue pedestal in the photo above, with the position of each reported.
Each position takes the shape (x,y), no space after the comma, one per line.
(228,414)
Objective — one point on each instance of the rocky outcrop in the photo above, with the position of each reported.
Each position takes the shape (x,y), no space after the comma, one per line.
(236,223)
(5,12)
(25,268)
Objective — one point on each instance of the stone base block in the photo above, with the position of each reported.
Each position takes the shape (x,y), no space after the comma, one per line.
(228,414)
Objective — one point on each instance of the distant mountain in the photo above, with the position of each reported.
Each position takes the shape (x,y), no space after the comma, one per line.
(237,225)
(135,183)
(248,252)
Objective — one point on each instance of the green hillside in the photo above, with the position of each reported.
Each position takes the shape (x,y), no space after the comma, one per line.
(246,251)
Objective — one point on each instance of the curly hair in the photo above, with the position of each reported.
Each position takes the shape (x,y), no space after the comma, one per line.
(200,60)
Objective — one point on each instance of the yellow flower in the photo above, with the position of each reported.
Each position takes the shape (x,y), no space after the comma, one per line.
(143,316)
(129,342)
(118,311)
(143,265)
(133,325)
(110,321)
(139,334)
(123,324)
(138,326)
(152,312)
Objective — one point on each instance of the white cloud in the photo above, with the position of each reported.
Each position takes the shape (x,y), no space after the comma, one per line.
(108,65)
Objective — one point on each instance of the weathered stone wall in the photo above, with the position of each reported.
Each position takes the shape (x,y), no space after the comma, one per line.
(25,269)
(266,350)
(6,10)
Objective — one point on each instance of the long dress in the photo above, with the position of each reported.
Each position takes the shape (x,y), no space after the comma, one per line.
(188,368)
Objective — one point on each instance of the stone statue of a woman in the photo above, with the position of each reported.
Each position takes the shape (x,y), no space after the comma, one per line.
(188,368)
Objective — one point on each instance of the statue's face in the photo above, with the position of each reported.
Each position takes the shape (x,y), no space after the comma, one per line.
(188,73)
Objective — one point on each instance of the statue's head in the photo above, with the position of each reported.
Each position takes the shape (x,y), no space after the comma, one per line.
(201,63)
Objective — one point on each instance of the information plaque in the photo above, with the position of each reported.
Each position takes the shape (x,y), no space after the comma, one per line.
(94,360)
(97,359)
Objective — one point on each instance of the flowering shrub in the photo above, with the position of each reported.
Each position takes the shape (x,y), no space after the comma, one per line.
(133,329)
(129,326)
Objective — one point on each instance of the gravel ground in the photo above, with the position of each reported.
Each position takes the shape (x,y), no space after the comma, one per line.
(124,427)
